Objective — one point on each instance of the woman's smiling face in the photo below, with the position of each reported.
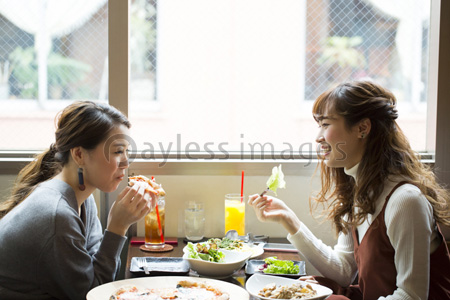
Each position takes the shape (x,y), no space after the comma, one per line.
(340,146)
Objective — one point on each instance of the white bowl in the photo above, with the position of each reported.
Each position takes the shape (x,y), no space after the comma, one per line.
(232,262)
(258,281)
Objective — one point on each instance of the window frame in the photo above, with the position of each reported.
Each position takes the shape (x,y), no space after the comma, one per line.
(119,77)
(438,123)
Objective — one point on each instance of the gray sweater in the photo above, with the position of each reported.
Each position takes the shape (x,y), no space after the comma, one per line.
(48,251)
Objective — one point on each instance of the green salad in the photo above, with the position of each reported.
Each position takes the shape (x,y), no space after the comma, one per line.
(274,266)
(204,252)
(225,243)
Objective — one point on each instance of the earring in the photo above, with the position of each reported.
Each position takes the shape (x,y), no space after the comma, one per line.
(81,179)
(363,135)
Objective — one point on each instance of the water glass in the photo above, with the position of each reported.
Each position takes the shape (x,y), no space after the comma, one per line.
(194,221)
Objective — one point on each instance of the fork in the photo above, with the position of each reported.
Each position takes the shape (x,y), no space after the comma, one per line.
(142,264)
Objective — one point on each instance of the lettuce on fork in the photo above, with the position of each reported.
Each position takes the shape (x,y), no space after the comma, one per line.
(276,180)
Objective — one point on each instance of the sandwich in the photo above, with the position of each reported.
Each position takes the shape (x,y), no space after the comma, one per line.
(150,184)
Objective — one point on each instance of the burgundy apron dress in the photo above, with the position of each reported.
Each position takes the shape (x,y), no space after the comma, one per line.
(376,268)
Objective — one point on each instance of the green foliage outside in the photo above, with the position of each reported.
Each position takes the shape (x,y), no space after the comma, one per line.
(63,73)
(342,51)
(142,37)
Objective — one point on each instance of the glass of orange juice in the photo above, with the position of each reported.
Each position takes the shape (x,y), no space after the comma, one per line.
(235,213)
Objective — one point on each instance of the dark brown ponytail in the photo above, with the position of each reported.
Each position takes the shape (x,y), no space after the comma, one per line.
(83,123)
(42,168)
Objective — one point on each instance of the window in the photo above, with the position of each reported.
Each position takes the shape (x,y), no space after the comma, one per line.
(51,53)
(240,76)
(142,42)
(223,76)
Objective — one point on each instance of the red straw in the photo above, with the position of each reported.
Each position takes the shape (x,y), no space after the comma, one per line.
(158,218)
(159,223)
(242,187)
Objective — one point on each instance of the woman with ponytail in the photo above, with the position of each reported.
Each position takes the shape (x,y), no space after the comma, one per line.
(51,241)
(385,205)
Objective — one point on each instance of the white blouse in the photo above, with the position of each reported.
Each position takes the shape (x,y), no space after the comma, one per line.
(410,227)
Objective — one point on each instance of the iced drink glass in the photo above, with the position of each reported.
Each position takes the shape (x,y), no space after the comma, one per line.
(235,213)
(153,234)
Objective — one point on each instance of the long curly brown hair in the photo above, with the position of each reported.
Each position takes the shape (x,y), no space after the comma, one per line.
(83,123)
(387,153)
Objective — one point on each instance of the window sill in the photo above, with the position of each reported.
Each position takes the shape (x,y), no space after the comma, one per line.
(201,163)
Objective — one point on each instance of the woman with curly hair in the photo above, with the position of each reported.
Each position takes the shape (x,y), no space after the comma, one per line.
(385,205)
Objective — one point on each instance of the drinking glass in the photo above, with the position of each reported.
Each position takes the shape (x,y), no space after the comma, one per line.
(235,213)
(194,221)
(153,233)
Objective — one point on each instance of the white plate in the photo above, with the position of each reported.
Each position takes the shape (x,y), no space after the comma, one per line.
(258,281)
(104,291)
(257,250)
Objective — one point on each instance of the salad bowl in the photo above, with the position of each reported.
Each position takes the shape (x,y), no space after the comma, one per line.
(231,262)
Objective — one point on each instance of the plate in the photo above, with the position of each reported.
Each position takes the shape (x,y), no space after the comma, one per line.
(280,247)
(104,291)
(256,250)
(257,282)
(161,265)
(253,266)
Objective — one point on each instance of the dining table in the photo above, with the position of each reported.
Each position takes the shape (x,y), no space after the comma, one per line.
(239,277)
